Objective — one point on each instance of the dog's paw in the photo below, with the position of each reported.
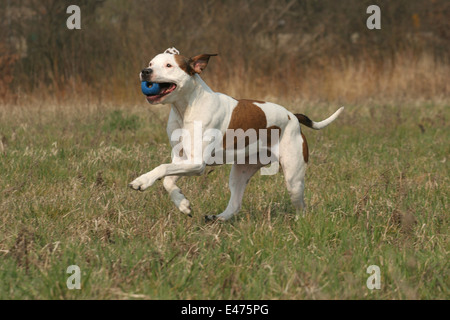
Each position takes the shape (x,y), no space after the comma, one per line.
(213,218)
(141,183)
(185,207)
(210,218)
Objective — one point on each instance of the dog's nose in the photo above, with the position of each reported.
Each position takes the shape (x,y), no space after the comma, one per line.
(146,71)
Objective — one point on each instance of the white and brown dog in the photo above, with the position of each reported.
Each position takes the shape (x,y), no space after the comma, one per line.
(193,103)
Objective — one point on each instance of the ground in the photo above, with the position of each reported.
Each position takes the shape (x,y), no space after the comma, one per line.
(377,190)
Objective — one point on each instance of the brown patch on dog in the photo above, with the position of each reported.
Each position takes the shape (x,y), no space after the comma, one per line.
(289,118)
(193,65)
(304,120)
(246,115)
(199,63)
(305,149)
(183,63)
(269,134)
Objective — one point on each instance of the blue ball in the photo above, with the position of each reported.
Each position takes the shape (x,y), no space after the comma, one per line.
(149,88)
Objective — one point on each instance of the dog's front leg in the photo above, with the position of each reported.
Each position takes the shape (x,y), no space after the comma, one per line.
(176,195)
(169,169)
(190,164)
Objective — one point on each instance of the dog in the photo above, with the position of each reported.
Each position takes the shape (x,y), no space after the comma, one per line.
(193,102)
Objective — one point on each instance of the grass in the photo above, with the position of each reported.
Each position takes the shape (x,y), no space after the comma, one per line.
(377,192)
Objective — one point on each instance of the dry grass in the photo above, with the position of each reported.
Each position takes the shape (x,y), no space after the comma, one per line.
(377,191)
(404,79)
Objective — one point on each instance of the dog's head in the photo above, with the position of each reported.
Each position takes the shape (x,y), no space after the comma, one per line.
(174,73)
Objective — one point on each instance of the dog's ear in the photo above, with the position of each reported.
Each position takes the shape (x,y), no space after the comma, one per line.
(199,63)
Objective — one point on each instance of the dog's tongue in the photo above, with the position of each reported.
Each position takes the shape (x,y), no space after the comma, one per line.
(166,89)
(149,88)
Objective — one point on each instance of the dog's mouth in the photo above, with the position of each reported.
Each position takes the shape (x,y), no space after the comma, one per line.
(156,91)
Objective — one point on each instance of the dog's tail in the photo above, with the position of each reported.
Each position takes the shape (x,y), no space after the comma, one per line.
(317,125)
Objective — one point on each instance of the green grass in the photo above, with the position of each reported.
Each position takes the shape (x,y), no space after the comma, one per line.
(377,192)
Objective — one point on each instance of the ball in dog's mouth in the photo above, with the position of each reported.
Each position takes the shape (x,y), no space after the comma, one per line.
(155,91)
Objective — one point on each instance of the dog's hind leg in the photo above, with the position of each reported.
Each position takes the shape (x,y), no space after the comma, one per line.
(176,195)
(239,177)
(293,160)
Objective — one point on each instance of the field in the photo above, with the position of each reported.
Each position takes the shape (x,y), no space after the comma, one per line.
(377,193)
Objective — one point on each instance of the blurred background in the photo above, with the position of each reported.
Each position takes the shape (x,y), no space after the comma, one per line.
(318,51)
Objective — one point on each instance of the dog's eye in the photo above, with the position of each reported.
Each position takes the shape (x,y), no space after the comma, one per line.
(168,65)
